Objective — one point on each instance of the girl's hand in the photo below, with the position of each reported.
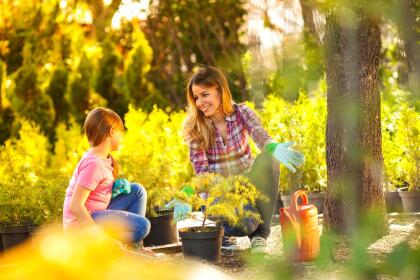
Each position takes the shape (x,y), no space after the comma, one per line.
(95,230)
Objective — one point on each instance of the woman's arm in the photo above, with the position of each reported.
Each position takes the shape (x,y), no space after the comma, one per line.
(198,159)
(253,125)
(77,206)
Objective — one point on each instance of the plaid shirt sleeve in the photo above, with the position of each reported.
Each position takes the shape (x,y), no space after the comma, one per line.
(253,126)
(198,158)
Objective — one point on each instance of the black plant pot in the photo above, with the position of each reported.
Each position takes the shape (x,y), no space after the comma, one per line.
(13,235)
(410,201)
(318,200)
(205,244)
(393,202)
(1,242)
(162,230)
(33,231)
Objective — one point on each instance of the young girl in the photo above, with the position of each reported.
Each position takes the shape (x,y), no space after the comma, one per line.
(217,132)
(88,196)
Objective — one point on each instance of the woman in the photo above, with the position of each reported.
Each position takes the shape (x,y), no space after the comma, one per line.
(217,130)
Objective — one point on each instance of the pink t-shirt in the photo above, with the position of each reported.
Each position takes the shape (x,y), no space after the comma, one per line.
(94,174)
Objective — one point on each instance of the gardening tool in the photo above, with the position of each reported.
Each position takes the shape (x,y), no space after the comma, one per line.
(120,186)
(299,228)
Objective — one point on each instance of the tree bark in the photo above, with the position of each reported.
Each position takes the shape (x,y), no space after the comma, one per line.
(353,136)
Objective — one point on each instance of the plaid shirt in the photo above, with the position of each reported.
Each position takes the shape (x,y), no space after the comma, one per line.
(235,157)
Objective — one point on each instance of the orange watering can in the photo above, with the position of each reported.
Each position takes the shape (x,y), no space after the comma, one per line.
(299,228)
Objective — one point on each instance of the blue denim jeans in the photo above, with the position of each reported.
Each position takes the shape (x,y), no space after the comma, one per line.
(130,209)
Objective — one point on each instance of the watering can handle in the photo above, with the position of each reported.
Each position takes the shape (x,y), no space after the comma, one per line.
(296,195)
(295,225)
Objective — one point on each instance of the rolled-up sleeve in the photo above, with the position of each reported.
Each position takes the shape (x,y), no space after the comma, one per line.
(253,126)
(198,158)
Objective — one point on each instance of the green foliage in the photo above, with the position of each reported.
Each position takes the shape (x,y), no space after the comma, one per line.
(29,101)
(28,190)
(6,113)
(49,193)
(185,34)
(401,143)
(80,89)
(6,120)
(224,199)
(141,91)
(299,68)
(69,148)
(295,121)
(154,153)
(57,89)
(402,262)
(107,76)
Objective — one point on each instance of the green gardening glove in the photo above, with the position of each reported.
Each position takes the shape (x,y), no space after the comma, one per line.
(286,155)
(120,186)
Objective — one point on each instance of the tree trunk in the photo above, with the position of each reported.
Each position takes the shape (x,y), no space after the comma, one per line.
(309,22)
(354,154)
(102,16)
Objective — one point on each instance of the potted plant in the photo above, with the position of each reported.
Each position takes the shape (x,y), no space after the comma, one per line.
(392,197)
(408,138)
(47,200)
(15,209)
(316,196)
(159,150)
(163,229)
(16,193)
(221,200)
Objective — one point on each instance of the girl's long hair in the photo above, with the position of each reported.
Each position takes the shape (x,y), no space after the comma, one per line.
(197,127)
(97,127)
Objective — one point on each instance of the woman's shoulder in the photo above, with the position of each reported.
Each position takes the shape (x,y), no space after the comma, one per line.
(242,110)
(240,107)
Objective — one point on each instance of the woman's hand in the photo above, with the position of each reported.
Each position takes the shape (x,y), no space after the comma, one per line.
(286,155)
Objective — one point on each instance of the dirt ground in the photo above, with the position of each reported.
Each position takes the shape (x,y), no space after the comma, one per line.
(242,265)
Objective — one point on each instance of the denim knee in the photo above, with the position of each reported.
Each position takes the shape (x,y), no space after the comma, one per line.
(138,189)
(142,229)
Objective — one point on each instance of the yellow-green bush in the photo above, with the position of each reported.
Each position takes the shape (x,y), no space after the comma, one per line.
(70,146)
(154,153)
(303,122)
(29,189)
(401,145)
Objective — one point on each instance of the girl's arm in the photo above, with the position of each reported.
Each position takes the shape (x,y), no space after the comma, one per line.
(77,206)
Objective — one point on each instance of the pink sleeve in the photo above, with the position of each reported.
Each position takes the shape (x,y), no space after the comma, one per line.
(90,175)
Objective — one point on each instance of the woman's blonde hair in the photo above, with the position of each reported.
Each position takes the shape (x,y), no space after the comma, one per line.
(98,125)
(197,126)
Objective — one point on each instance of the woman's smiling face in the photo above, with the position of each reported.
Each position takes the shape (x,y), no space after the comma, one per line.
(207,99)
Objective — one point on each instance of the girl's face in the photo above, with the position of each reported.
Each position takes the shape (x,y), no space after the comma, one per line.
(116,137)
(207,99)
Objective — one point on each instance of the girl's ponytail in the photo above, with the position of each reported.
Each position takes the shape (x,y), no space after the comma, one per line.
(116,167)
